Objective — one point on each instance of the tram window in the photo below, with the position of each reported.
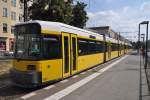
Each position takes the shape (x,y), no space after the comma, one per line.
(99,47)
(51,47)
(92,47)
(31,28)
(120,47)
(106,49)
(114,47)
(34,47)
(82,47)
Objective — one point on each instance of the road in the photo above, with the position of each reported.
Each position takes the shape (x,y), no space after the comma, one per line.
(5,65)
(118,83)
(117,79)
(7,90)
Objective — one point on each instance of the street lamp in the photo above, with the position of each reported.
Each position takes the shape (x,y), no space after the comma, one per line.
(25,10)
(138,47)
(143,37)
(146,56)
(143,44)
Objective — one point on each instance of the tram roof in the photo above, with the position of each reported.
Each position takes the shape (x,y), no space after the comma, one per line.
(60,27)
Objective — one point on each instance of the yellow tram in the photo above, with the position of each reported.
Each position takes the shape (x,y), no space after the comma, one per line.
(50,51)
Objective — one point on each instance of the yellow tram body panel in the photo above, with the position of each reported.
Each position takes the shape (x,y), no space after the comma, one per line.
(44,31)
(107,56)
(114,54)
(88,61)
(22,65)
(51,69)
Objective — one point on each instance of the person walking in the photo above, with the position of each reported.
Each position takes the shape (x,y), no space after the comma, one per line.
(143,51)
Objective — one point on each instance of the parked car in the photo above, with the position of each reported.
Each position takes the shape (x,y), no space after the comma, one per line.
(2,52)
(9,53)
(148,50)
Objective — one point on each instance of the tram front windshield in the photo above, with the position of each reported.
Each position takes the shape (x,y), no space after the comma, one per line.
(28,42)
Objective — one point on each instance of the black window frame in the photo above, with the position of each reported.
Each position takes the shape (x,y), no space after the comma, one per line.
(32,29)
(114,47)
(50,57)
(4,1)
(90,47)
(82,43)
(5,27)
(5,12)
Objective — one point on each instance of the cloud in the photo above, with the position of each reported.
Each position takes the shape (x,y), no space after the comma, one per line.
(125,9)
(125,19)
(116,20)
(145,6)
(103,17)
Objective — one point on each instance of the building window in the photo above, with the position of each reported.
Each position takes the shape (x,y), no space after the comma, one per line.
(4,0)
(4,12)
(4,28)
(13,15)
(2,45)
(21,5)
(13,3)
(20,17)
(12,29)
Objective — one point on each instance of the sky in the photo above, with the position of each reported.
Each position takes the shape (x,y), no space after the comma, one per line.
(122,15)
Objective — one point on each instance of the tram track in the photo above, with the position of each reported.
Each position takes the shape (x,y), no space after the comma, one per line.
(9,92)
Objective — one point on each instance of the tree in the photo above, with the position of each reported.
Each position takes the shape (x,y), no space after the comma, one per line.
(59,11)
(25,2)
(51,10)
(79,15)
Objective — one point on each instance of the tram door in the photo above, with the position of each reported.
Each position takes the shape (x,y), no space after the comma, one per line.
(73,53)
(66,54)
(69,48)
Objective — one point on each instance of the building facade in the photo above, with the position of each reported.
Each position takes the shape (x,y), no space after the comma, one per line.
(107,31)
(11,12)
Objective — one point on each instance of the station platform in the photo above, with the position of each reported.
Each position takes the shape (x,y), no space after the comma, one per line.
(118,79)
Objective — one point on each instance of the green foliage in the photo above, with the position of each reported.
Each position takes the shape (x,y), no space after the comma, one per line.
(51,10)
(79,15)
(59,11)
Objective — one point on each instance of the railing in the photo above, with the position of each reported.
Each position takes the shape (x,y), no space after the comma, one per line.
(147,71)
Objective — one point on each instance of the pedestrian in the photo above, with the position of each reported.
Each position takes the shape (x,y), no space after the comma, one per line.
(143,51)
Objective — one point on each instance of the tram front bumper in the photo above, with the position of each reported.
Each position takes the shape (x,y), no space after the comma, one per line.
(26,79)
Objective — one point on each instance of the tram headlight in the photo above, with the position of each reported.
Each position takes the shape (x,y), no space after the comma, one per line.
(31,67)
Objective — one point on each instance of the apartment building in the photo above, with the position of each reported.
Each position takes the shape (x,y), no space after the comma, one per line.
(11,12)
